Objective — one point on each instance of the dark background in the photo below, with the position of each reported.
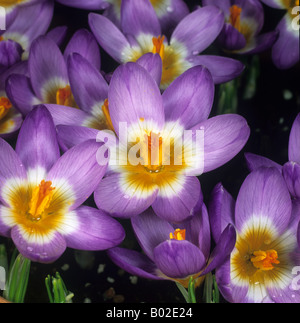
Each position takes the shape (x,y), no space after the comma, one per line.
(270,117)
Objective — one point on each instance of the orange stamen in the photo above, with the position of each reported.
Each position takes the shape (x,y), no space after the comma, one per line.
(235,17)
(5,106)
(64,96)
(264,260)
(40,200)
(105,110)
(178,235)
(158,46)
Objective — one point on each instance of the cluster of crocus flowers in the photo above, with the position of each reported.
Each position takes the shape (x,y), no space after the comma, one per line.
(42,193)
(244,20)
(261,266)
(48,79)
(285,52)
(141,33)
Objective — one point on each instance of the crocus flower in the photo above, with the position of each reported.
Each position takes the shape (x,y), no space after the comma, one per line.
(260,268)
(291,169)
(174,252)
(48,80)
(285,52)
(15,42)
(42,193)
(244,20)
(157,178)
(10,117)
(169,12)
(141,33)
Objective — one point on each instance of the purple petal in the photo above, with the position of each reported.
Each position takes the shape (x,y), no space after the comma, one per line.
(37,143)
(285,53)
(222,250)
(84,43)
(231,39)
(222,69)
(152,63)
(199,29)
(70,136)
(79,171)
(88,85)
(284,295)
(108,36)
(179,259)
(231,292)
(133,94)
(134,262)
(221,210)
(224,137)
(291,174)
(30,29)
(198,228)
(294,142)
(189,98)
(63,115)
(86,4)
(11,165)
(298,235)
(262,42)
(119,197)
(255,161)
(92,229)
(264,197)
(38,248)
(46,67)
(175,204)
(20,93)
(150,231)
(139,17)
(58,34)
(10,53)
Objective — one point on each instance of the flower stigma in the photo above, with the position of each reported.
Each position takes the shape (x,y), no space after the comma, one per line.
(158,46)
(40,200)
(235,17)
(178,235)
(264,260)
(5,106)
(64,96)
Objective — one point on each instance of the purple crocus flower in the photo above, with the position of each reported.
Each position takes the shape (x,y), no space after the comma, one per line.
(169,12)
(15,42)
(244,20)
(48,80)
(174,252)
(153,120)
(42,193)
(260,268)
(141,33)
(285,52)
(10,117)
(291,169)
